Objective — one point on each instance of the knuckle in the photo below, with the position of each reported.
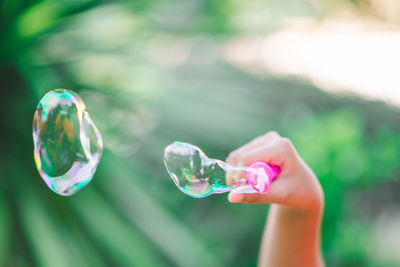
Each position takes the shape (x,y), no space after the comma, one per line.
(259,138)
(233,155)
(286,143)
(271,133)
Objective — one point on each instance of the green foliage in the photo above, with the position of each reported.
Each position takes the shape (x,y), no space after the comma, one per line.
(5,229)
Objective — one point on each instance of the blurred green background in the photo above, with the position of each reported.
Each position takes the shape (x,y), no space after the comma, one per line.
(152,72)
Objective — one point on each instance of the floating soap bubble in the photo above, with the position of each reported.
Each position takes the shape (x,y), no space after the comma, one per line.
(67,144)
(199,176)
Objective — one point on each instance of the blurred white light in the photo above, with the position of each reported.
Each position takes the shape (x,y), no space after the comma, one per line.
(340,56)
(385,236)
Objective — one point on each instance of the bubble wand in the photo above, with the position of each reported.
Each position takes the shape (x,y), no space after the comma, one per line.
(199,176)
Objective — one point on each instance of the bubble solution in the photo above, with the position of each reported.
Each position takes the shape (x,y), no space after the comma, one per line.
(67,144)
(199,176)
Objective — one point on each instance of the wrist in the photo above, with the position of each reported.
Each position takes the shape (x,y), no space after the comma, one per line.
(306,202)
(312,213)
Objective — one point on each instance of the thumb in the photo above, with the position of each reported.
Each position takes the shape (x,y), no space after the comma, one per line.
(246,194)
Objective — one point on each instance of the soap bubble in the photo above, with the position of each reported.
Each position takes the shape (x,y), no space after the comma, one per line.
(67,144)
(199,176)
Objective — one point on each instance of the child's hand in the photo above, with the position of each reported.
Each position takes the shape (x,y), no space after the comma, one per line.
(296,186)
(292,233)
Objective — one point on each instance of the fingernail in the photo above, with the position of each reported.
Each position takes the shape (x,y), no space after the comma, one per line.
(234,198)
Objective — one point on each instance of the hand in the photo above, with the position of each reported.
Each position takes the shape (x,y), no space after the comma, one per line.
(296,186)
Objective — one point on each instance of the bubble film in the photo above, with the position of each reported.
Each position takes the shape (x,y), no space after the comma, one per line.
(199,176)
(67,144)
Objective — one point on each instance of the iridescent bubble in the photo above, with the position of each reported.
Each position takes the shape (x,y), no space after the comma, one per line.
(199,176)
(67,144)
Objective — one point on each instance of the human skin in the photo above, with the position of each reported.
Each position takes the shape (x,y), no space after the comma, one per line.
(292,231)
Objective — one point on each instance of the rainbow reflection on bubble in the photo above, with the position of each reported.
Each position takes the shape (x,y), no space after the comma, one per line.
(199,176)
(67,144)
